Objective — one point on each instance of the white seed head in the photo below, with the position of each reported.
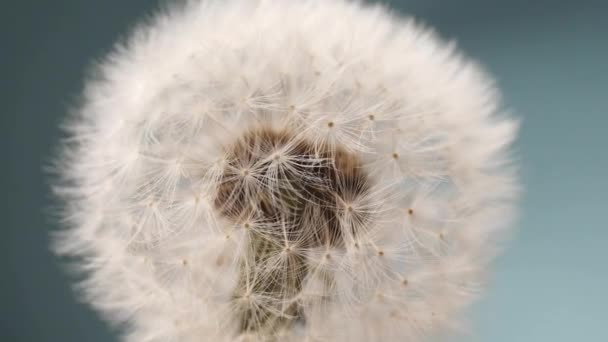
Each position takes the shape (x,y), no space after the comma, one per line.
(285,171)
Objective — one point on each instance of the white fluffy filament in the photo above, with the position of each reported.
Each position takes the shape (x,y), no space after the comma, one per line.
(285,171)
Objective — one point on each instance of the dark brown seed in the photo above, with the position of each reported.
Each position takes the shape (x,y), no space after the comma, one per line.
(298,204)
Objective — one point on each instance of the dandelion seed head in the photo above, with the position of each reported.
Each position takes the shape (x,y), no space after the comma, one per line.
(285,171)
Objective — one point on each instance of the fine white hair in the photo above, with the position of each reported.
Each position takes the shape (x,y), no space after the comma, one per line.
(159,128)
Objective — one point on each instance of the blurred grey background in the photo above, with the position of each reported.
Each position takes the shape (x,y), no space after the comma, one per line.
(550,59)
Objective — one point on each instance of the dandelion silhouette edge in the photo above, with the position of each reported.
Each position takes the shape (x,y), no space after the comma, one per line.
(285,171)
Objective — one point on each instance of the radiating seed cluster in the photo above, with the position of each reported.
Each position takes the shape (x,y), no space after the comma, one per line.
(299,196)
(285,170)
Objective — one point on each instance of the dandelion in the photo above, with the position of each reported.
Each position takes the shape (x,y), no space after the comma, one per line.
(285,171)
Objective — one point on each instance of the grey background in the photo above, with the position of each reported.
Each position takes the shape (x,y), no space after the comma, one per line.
(550,58)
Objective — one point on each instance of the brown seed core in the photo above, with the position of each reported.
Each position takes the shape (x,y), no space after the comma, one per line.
(297,201)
